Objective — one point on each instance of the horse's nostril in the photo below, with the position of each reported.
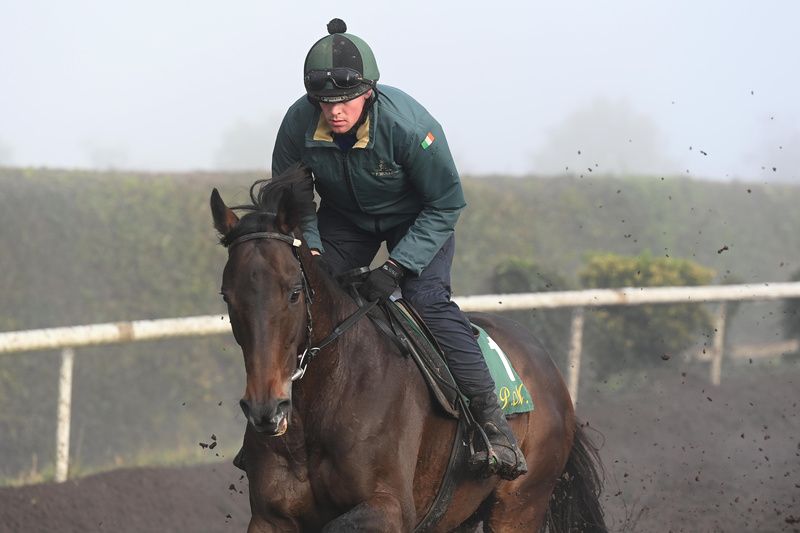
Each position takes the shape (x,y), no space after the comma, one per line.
(284,405)
(245,407)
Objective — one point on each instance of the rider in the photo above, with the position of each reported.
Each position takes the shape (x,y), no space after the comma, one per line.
(384,172)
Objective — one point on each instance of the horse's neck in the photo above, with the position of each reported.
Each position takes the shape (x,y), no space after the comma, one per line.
(336,367)
(330,308)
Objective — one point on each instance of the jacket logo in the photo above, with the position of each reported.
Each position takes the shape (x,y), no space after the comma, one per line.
(384,169)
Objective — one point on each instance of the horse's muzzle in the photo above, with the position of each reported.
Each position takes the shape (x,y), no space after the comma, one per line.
(271,417)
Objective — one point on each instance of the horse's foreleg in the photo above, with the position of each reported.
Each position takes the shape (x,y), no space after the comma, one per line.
(383,512)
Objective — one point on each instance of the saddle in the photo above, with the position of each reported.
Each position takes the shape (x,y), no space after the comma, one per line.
(400,322)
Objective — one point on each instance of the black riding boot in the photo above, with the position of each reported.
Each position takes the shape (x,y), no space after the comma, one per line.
(504,458)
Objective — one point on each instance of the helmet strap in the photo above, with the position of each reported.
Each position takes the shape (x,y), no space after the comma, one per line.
(364,112)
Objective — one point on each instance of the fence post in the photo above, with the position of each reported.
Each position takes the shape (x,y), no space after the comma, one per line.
(64,410)
(719,344)
(575,345)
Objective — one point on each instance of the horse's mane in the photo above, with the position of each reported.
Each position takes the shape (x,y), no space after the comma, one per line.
(289,195)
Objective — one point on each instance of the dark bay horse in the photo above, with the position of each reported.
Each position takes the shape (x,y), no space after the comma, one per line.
(350,439)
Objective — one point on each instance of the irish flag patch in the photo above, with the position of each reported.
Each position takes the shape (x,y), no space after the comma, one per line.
(427,141)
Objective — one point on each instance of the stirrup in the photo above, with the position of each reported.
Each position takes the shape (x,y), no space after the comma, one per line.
(489,419)
(484,463)
(487,463)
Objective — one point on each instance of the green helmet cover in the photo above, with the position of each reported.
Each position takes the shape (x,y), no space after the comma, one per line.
(337,50)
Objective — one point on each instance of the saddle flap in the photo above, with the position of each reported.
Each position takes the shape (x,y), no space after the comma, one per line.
(427,354)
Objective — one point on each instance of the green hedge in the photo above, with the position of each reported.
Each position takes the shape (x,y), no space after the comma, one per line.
(629,338)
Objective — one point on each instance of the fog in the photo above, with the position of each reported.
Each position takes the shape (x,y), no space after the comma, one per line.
(705,89)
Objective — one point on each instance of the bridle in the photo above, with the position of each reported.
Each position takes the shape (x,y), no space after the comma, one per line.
(303,359)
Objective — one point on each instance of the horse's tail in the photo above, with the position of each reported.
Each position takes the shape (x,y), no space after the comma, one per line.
(575,503)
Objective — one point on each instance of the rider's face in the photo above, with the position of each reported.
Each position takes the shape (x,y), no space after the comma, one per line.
(342,116)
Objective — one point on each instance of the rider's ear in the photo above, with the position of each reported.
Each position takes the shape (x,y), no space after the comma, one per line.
(224,218)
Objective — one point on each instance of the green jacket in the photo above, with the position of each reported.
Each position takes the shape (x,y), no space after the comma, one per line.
(399,171)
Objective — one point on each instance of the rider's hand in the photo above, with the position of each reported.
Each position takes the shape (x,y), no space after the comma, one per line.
(382,281)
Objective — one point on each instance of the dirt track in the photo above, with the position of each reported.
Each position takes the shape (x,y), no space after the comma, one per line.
(196,499)
(687,456)
(680,455)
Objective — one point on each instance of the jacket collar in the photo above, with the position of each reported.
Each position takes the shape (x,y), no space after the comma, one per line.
(321,134)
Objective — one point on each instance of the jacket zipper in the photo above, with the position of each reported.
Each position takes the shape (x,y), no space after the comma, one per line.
(346,168)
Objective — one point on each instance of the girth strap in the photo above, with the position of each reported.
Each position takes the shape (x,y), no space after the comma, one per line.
(453,474)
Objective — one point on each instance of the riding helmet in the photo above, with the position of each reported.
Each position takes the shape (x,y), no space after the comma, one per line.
(339,67)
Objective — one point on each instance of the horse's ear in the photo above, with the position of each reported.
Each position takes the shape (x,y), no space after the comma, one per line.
(286,219)
(224,218)
(296,200)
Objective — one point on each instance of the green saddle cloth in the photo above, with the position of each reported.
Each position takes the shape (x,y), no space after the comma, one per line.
(511,391)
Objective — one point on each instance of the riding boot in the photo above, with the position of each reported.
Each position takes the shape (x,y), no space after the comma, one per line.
(503,457)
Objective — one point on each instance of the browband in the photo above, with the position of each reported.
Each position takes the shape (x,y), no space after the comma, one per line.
(289,239)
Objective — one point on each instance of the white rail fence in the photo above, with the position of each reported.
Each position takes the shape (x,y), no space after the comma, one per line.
(69,338)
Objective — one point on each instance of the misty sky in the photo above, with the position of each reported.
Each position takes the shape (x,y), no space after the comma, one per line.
(708,87)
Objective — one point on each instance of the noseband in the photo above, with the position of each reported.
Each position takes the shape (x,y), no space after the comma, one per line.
(309,352)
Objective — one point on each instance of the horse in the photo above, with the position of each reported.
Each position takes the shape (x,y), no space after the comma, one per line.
(342,433)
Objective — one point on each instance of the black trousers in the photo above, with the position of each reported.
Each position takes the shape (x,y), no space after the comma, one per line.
(348,247)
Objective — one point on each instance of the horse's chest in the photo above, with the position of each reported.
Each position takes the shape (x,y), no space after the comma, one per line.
(281,489)
(337,498)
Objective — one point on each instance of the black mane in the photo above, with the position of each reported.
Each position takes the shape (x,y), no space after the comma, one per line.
(283,200)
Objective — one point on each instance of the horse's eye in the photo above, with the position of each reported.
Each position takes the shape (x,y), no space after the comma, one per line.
(295,295)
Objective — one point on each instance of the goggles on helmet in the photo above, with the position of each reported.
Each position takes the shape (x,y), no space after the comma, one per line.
(340,77)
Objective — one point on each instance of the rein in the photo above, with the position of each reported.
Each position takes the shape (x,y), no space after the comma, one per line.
(309,352)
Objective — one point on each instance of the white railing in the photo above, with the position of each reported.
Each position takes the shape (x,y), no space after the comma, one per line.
(69,338)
